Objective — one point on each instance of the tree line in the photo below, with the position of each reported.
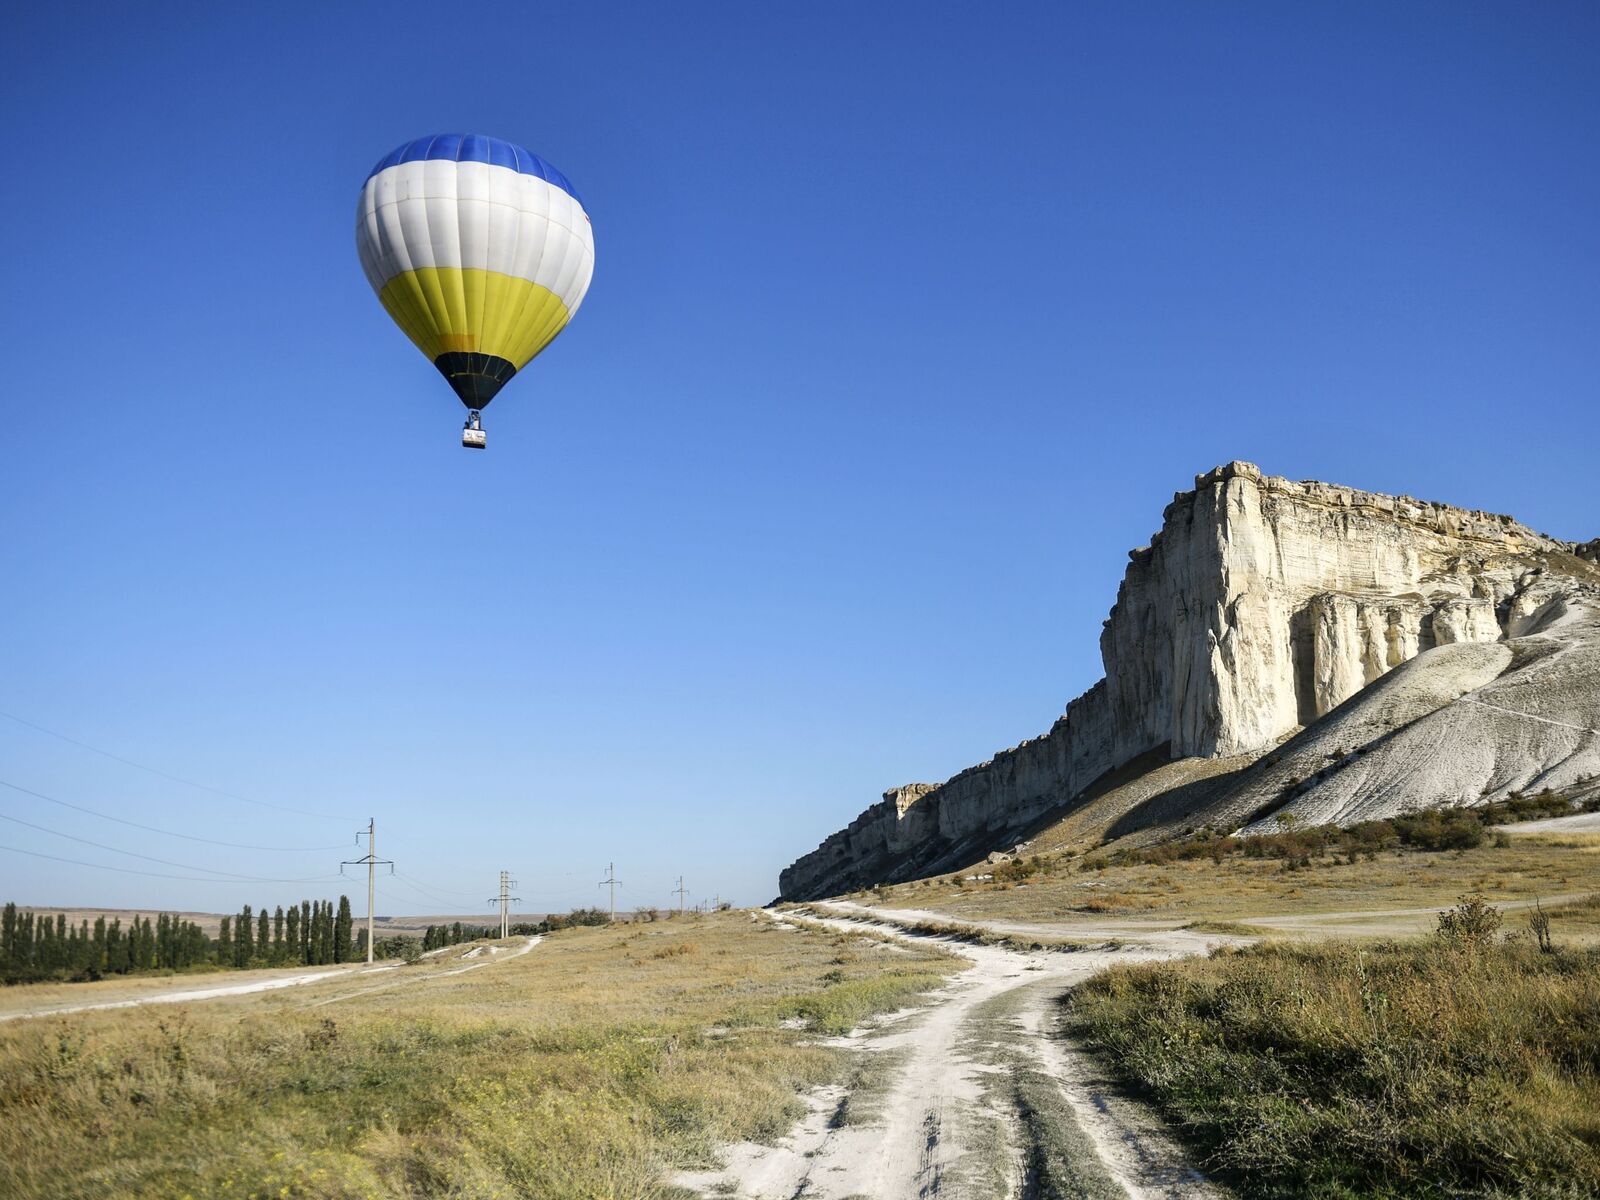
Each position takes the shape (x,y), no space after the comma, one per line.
(554,921)
(308,934)
(37,947)
(436,937)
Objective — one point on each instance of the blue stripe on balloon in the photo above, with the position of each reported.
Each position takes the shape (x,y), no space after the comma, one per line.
(475,147)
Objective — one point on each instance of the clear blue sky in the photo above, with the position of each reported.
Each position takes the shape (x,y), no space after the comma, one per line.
(907,321)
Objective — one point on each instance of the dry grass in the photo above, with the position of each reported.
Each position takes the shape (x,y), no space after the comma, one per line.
(582,1070)
(1390,1070)
(1201,890)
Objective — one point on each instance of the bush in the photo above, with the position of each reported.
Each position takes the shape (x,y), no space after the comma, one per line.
(1473,924)
(1018,869)
(578,916)
(1539,927)
(1435,830)
(1548,803)
(1440,829)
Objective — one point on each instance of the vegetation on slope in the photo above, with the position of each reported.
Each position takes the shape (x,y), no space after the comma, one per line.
(1419,860)
(1432,829)
(585,1069)
(1459,1065)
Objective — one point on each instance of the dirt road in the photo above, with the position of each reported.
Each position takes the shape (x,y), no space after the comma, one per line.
(1577,823)
(975,1095)
(267,982)
(1383,922)
(978,1095)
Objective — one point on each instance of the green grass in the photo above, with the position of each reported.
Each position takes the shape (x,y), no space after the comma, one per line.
(587,1069)
(1391,1070)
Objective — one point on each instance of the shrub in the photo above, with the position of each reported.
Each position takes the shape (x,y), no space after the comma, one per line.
(1539,926)
(1434,830)
(1018,869)
(1473,924)
(1440,829)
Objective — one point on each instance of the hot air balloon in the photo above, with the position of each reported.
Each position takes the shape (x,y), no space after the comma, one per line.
(480,251)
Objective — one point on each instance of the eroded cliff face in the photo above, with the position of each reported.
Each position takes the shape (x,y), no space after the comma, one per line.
(1261,606)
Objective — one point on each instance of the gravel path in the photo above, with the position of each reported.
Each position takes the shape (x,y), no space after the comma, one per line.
(954,1120)
(1578,823)
(196,995)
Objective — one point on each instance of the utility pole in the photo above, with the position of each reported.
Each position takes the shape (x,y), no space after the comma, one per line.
(371,862)
(679,894)
(504,898)
(610,880)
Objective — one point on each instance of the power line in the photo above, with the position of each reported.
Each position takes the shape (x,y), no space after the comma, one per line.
(128,762)
(16,787)
(397,877)
(165,862)
(423,893)
(427,887)
(156,874)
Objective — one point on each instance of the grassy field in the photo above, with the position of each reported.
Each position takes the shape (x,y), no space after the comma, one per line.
(1087,887)
(586,1068)
(1415,1069)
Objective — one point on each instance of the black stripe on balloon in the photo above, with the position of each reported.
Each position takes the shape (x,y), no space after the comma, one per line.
(477,378)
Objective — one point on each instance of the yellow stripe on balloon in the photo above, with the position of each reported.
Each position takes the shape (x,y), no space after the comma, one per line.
(456,309)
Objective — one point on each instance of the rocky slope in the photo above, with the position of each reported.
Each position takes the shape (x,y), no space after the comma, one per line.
(1348,654)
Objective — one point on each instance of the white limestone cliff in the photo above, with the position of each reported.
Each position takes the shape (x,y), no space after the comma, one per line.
(1260,608)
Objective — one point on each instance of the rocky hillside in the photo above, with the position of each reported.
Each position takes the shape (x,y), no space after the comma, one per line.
(1305,648)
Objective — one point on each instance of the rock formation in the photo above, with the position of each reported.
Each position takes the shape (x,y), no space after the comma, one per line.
(1267,610)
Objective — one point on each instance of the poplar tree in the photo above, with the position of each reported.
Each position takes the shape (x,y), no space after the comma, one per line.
(25,942)
(263,933)
(145,953)
(277,934)
(8,939)
(326,952)
(305,931)
(341,933)
(243,938)
(225,943)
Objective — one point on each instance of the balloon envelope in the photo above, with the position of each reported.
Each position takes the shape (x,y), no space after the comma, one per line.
(479,250)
